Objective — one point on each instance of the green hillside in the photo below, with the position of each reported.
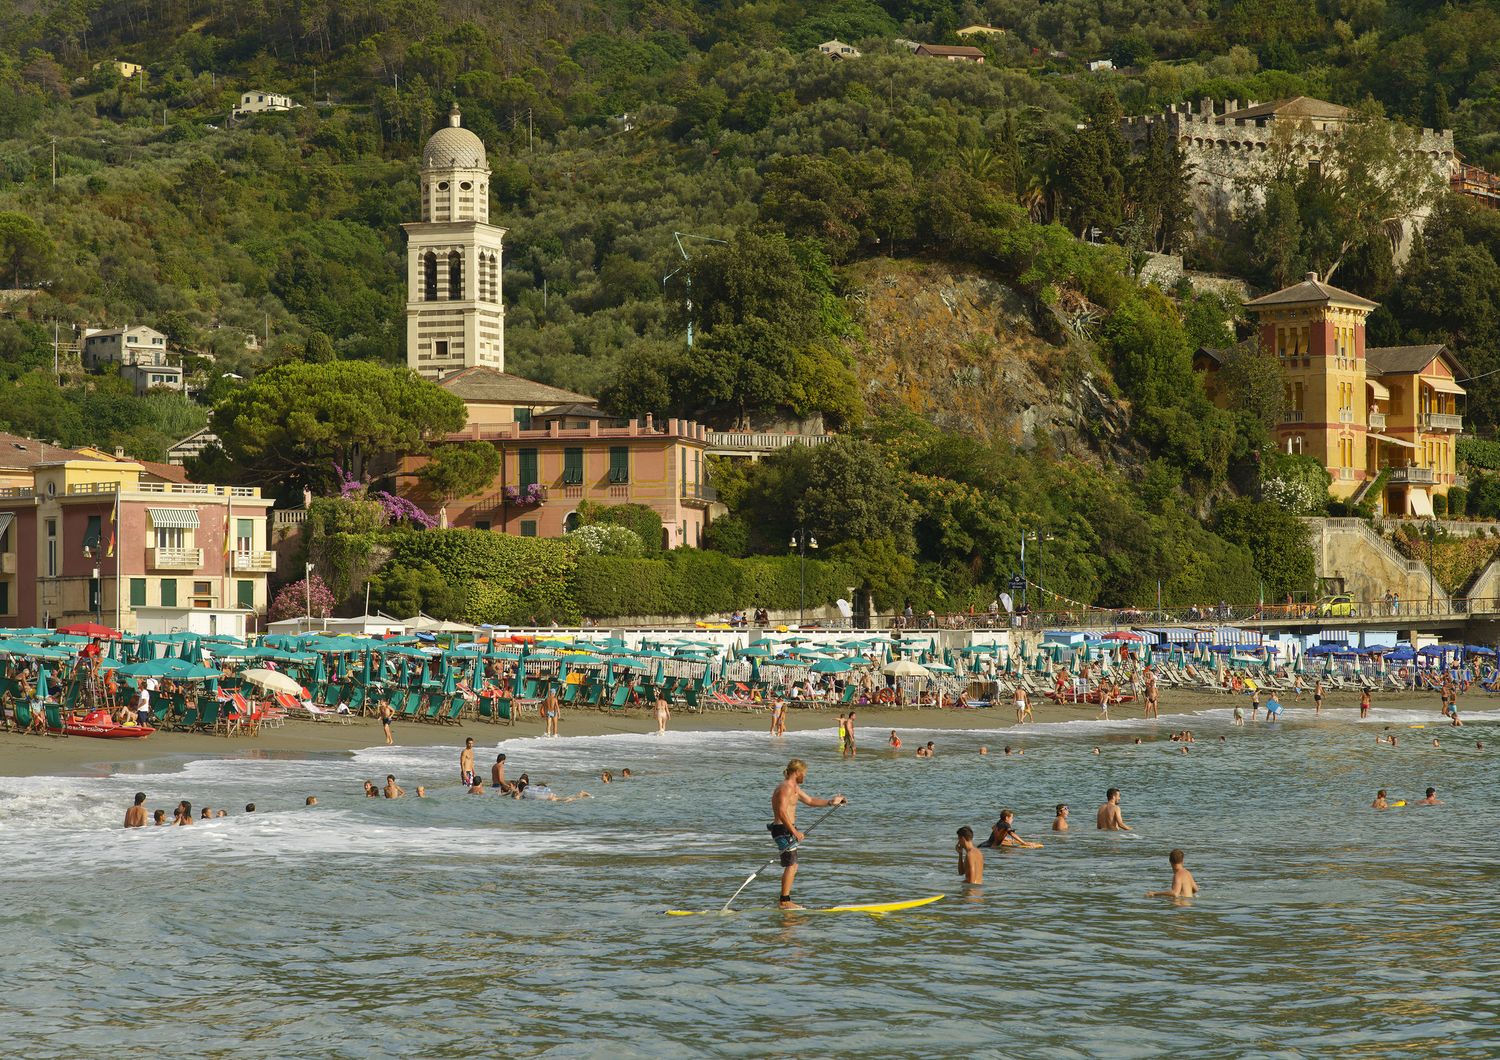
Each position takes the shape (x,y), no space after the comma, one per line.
(612,126)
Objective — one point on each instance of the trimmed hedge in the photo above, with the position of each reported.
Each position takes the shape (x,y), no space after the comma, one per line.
(514,580)
(687,582)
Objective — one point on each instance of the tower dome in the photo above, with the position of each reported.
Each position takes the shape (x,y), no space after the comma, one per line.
(454,147)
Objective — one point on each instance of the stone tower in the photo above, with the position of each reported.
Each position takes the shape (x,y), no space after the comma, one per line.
(454,316)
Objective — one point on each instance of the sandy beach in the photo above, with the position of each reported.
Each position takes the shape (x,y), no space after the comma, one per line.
(27,755)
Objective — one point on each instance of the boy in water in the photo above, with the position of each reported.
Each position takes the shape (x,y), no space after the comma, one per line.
(1380,803)
(970,860)
(1060,822)
(1183,884)
(895,741)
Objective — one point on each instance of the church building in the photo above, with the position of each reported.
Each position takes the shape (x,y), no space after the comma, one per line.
(455,318)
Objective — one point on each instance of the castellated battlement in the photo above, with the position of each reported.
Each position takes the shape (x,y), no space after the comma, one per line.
(1228,125)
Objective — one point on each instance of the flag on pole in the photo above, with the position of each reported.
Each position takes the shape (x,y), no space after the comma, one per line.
(228,532)
(109,548)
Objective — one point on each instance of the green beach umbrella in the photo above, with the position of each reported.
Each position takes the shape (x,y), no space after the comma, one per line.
(41,683)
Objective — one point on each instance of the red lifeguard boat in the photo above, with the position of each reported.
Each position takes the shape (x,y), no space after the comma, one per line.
(100,725)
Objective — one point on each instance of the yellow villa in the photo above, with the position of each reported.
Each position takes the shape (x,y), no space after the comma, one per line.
(1361,411)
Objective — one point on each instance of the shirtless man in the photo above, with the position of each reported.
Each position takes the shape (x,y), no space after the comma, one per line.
(783,828)
(970,860)
(1432,799)
(1380,803)
(466,763)
(1183,884)
(497,775)
(925,752)
(1023,707)
(1318,696)
(135,817)
(849,735)
(1060,822)
(392,789)
(1109,819)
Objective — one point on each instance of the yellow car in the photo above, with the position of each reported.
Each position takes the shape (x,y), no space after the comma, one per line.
(1336,607)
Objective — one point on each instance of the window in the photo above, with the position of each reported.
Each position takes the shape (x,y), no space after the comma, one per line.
(523,419)
(93,533)
(245,594)
(169,592)
(137,592)
(171,537)
(528,528)
(4,598)
(619,463)
(572,467)
(52,548)
(429,277)
(441,346)
(244,535)
(455,276)
(481,524)
(527,470)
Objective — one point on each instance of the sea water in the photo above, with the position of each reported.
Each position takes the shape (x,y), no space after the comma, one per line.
(466,925)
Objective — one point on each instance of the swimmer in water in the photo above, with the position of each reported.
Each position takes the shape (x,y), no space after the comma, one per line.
(986,750)
(970,860)
(1432,799)
(421,792)
(371,791)
(392,789)
(925,752)
(1239,715)
(1109,818)
(1096,750)
(1380,803)
(1004,834)
(1183,884)
(894,741)
(1060,822)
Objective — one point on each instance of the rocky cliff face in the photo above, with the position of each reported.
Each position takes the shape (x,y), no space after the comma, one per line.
(975,356)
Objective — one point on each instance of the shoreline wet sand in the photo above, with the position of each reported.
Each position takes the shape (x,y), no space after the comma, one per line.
(27,755)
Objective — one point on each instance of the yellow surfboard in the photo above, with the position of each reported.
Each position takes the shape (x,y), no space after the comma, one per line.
(875,908)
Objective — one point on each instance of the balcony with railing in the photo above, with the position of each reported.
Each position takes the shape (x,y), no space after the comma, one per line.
(1293,416)
(1376,420)
(699,493)
(254,562)
(1344,474)
(1346,415)
(176,558)
(1411,476)
(1442,421)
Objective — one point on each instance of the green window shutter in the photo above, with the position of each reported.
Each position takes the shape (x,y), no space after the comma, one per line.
(245,528)
(169,592)
(523,419)
(137,592)
(95,531)
(528,468)
(619,463)
(246,594)
(572,467)
(528,528)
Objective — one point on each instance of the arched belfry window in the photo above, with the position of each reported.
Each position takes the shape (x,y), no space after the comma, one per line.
(429,277)
(455,275)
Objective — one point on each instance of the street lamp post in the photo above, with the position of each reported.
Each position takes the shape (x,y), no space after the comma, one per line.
(802,541)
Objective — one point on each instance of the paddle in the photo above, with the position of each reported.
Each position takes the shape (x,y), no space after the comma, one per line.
(777,856)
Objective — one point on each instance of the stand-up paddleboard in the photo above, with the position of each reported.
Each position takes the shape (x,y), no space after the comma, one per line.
(874,908)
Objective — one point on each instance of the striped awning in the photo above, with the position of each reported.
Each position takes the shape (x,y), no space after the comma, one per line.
(174,518)
(6,518)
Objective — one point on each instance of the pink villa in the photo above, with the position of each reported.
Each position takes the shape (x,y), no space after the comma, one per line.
(105,541)
(574,453)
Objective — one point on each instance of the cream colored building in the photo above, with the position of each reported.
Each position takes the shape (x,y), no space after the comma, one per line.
(837,49)
(455,318)
(262,103)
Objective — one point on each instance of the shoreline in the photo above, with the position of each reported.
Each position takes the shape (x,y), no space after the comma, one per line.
(33,756)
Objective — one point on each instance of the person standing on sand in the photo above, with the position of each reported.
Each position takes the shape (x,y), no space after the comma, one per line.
(1109,818)
(1297,686)
(550,707)
(135,817)
(1183,885)
(387,712)
(970,860)
(663,711)
(466,763)
(783,827)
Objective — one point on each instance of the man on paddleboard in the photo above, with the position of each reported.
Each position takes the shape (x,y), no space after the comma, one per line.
(783,829)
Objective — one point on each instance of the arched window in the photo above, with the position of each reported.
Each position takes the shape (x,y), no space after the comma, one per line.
(429,277)
(455,276)
(570,522)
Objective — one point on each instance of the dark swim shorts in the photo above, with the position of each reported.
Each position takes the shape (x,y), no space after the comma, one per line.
(785,842)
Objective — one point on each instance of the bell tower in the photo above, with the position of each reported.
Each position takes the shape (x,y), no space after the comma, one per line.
(455,318)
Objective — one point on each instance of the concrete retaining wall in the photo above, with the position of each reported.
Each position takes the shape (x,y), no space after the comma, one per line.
(1369,566)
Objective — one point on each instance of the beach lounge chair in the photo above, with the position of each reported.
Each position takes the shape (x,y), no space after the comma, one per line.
(595,694)
(210,716)
(54,719)
(434,708)
(187,721)
(486,709)
(452,716)
(617,701)
(23,716)
(570,693)
(412,705)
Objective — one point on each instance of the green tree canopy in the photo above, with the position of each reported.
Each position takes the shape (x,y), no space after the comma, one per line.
(295,422)
(460,469)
